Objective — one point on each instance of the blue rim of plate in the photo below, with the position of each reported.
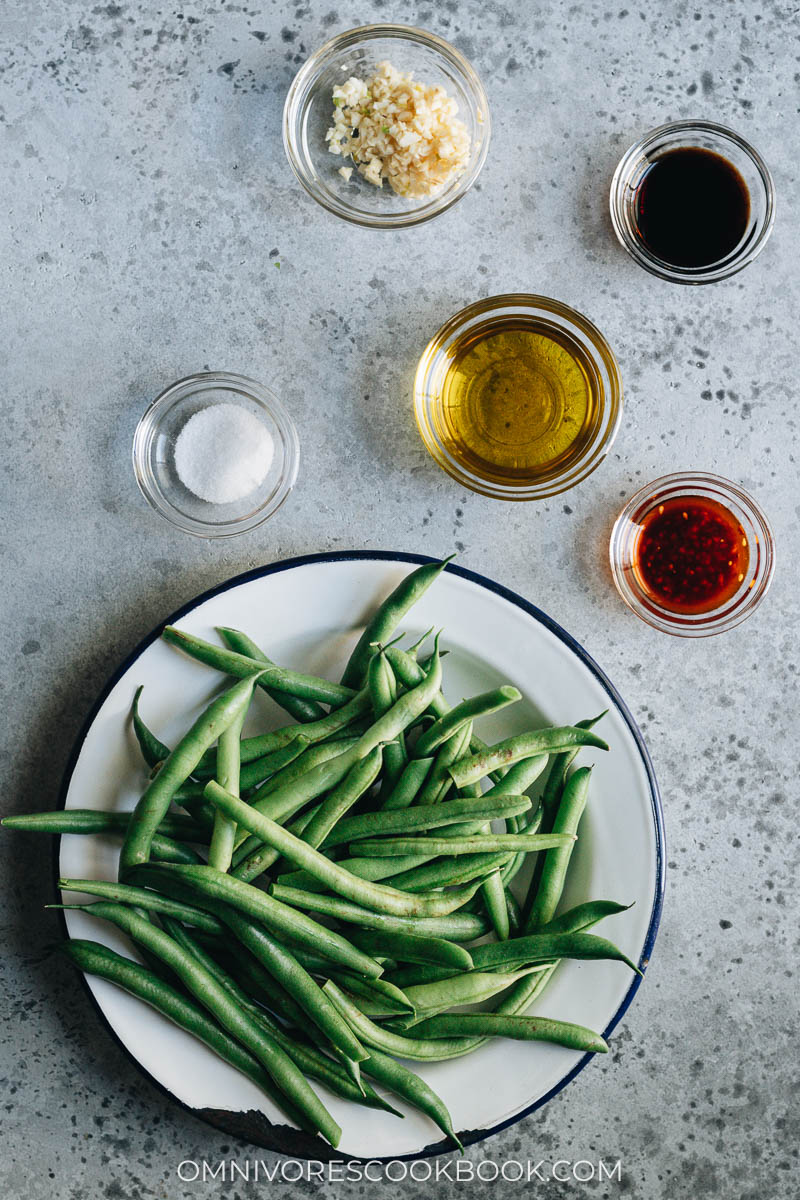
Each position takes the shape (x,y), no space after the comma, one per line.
(288,1140)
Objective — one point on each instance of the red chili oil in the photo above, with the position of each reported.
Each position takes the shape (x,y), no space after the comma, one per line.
(691,554)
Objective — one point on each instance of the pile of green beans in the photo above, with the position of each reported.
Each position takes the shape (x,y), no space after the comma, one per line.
(314,913)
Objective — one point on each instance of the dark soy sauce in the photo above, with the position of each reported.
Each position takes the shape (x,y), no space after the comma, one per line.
(692,207)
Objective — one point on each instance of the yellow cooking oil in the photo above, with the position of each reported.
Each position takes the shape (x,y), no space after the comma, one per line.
(519,400)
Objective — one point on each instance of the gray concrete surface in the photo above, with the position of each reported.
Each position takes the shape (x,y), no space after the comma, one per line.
(144,192)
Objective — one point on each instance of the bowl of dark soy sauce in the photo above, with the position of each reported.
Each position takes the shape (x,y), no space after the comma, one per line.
(692,202)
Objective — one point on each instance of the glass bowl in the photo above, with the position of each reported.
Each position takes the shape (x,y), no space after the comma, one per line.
(754,526)
(702,135)
(584,342)
(307,116)
(154,454)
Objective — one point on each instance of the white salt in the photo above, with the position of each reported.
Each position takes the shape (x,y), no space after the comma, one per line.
(223,453)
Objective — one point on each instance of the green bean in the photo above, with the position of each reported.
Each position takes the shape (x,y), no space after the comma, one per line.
(463,714)
(374,989)
(376,869)
(304,711)
(576,920)
(407,947)
(318,1066)
(358,780)
(443,872)
(514,912)
(483,844)
(472,987)
(314,755)
(520,777)
(125,893)
(366,868)
(167,850)
(383,693)
(411,1088)
(298,827)
(408,785)
(458,927)
(381,1038)
(411,976)
(524,745)
(520,996)
(414,649)
(153,751)
(154,803)
(528,823)
(315,964)
(95,959)
(437,1048)
(545,947)
(554,871)
(186,940)
(259,859)
(388,616)
(551,796)
(205,886)
(583,916)
(260,770)
(288,799)
(237,1021)
(310,756)
(201,812)
(258,982)
(316,731)
(409,673)
(439,782)
(493,894)
(220,946)
(91,820)
(301,823)
(410,820)
(308,687)
(228,775)
(361,891)
(285,794)
(292,796)
(374,1007)
(314,1062)
(565,939)
(188,793)
(533,1029)
(285,968)
(558,773)
(309,1060)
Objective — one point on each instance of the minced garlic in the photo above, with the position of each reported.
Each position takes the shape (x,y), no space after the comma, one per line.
(396,129)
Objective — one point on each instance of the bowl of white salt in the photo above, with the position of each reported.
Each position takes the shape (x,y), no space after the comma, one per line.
(216,454)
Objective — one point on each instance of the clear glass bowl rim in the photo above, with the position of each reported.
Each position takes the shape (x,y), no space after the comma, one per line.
(732,613)
(634,246)
(303,82)
(148,423)
(532,304)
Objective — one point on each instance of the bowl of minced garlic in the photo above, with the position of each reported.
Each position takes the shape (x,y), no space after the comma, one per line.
(387,105)
(396,129)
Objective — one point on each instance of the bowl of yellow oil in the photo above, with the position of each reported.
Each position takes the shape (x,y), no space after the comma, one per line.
(518,397)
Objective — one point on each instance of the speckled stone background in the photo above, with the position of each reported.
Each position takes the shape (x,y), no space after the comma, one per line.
(151,227)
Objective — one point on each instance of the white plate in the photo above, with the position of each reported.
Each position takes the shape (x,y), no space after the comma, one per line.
(307,613)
